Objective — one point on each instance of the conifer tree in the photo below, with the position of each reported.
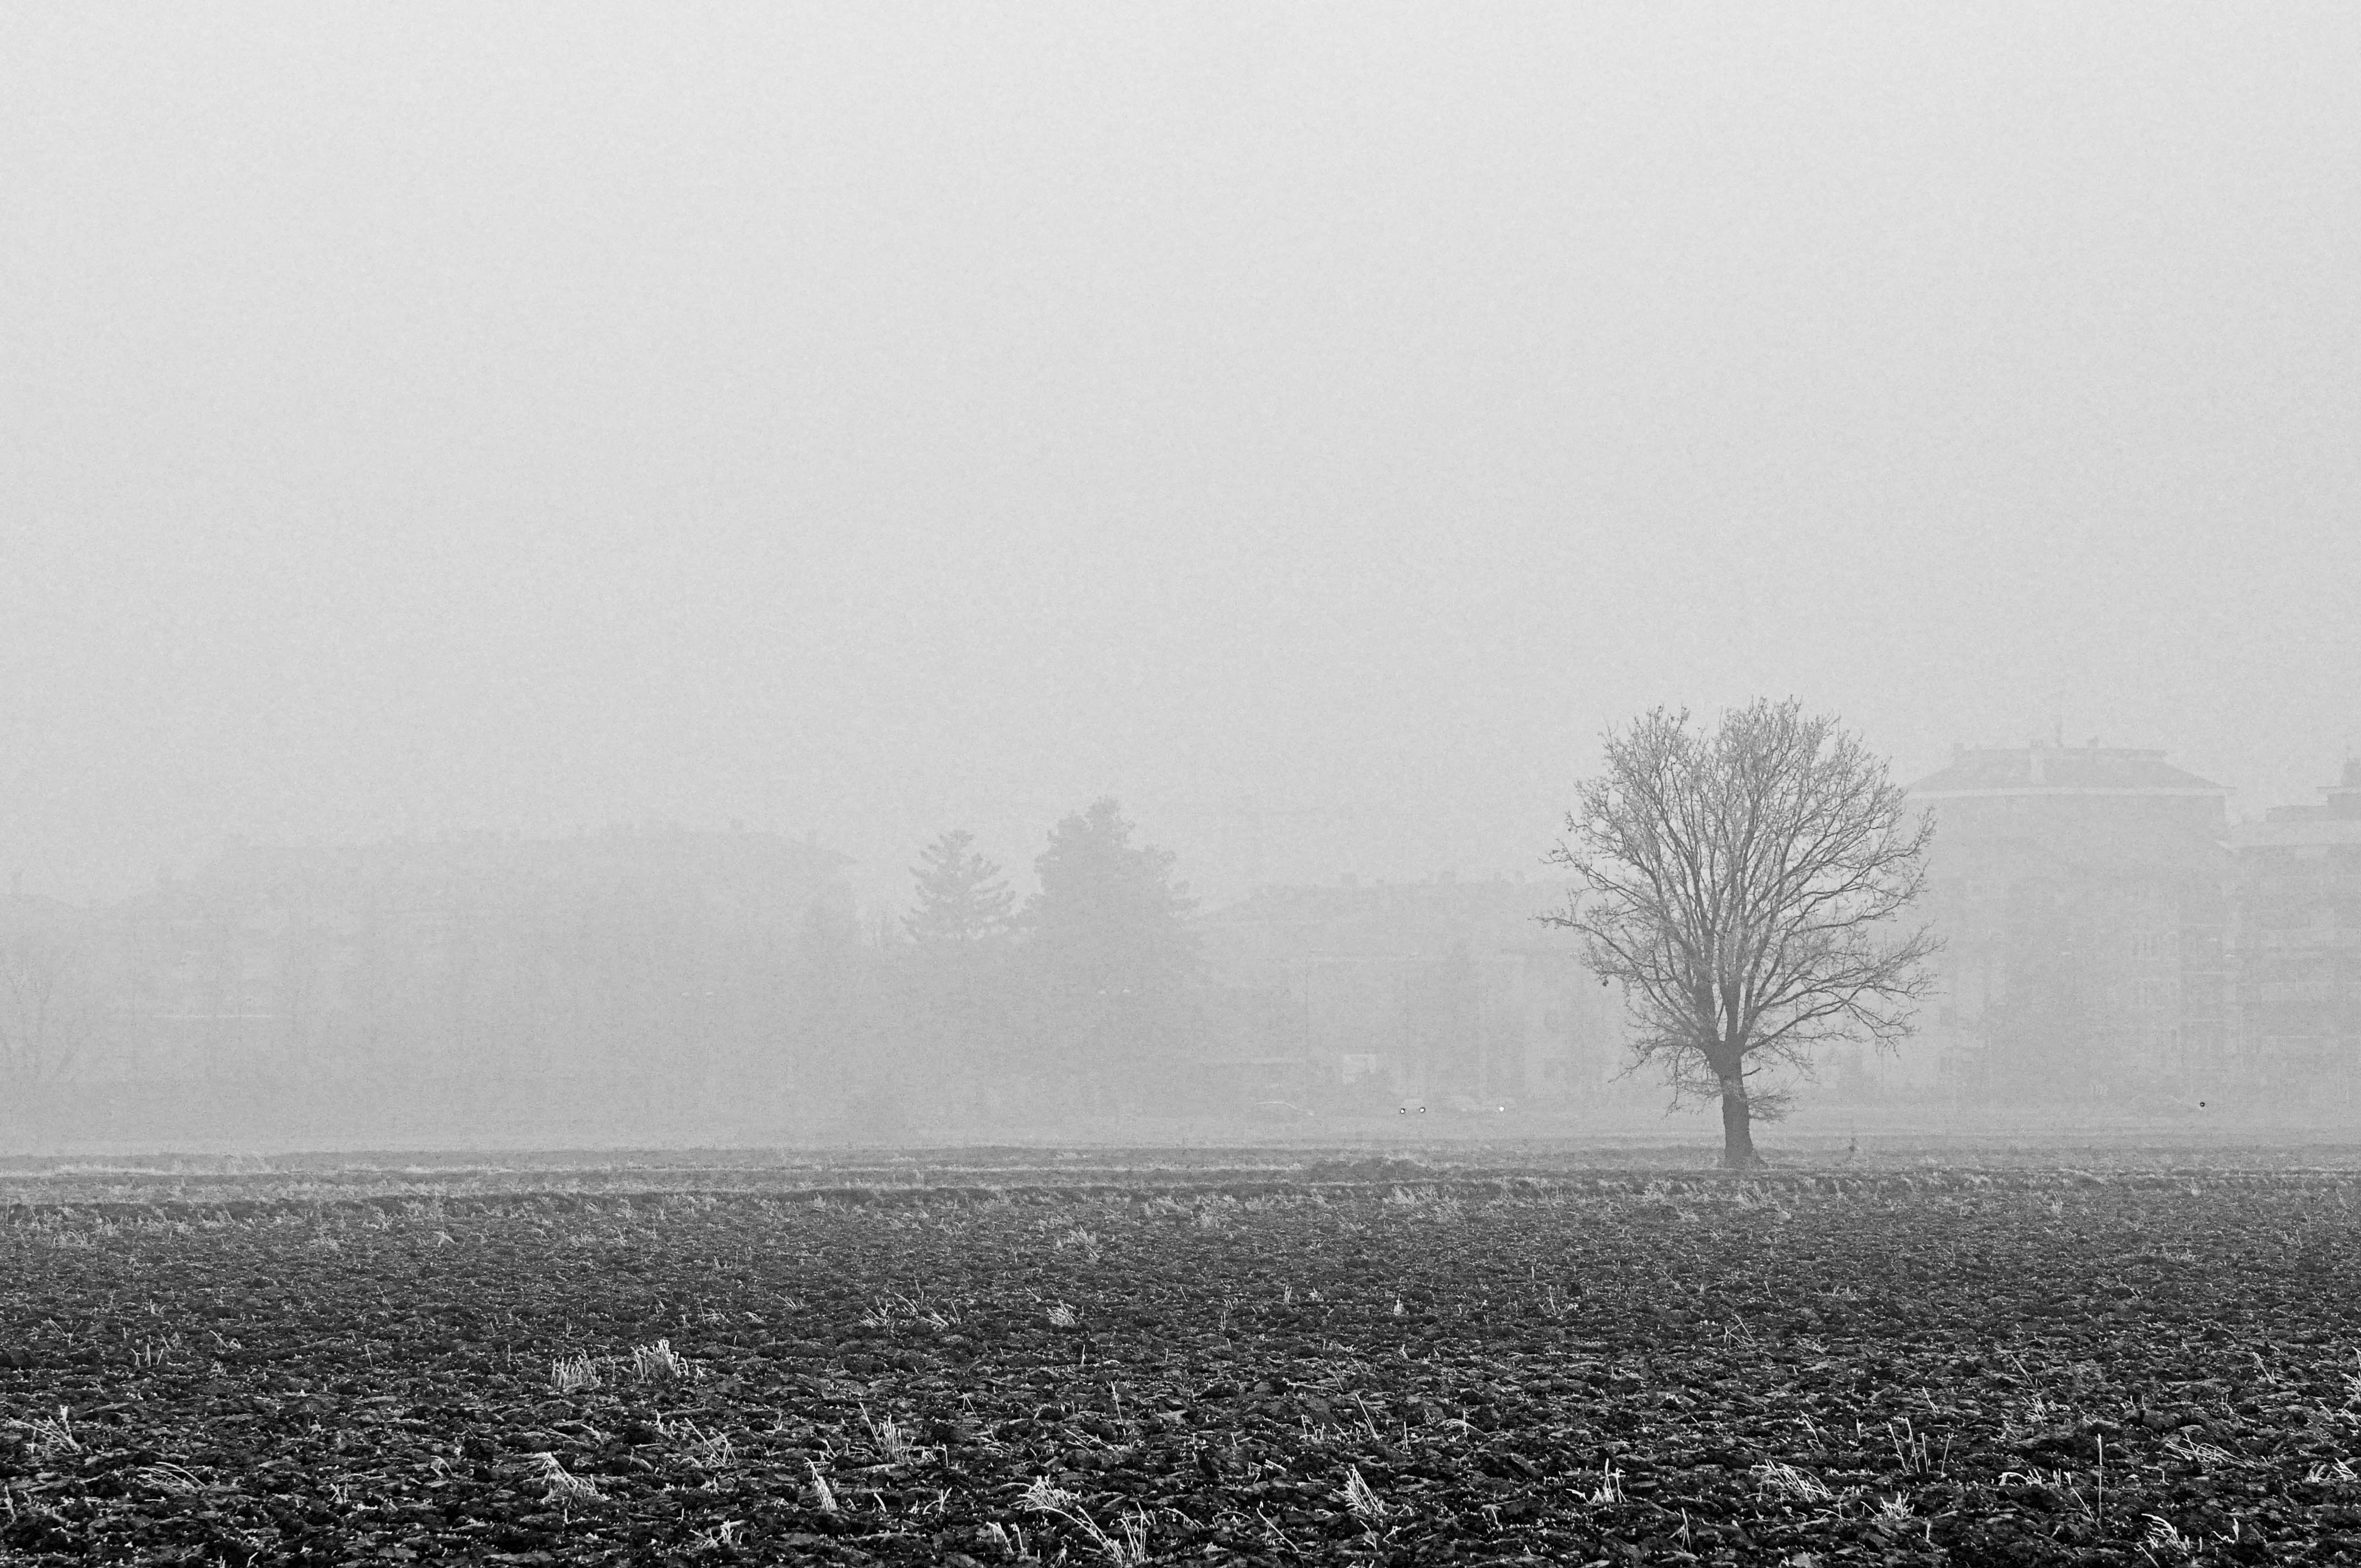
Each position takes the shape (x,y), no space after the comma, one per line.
(954,992)
(963,900)
(1113,960)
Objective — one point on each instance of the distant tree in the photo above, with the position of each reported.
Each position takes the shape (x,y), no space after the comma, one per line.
(48,1008)
(951,995)
(1111,952)
(963,900)
(1745,887)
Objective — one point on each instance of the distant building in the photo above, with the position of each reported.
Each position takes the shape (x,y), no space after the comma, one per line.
(2296,940)
(2080,894)
(1443,991)
(479,955)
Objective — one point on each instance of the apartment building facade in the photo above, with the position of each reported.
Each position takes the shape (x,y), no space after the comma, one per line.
(1445,992)
(2082,895)
(2295,942)
(468,956)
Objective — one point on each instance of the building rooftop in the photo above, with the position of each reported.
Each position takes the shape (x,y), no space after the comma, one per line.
(1397,919)
(616,847)
(2336,819)
(2060,770)
(2283,833)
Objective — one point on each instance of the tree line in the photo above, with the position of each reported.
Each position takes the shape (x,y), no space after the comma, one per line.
(1746,886)
(1087,999)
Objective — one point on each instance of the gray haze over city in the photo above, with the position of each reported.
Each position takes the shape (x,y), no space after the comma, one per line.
(1310,427)
(865,424)
(1004,785)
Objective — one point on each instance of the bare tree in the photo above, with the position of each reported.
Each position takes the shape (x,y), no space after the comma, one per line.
(1745,886)
(47,1011)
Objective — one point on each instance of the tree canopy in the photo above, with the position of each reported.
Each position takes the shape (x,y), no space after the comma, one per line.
(1746,886)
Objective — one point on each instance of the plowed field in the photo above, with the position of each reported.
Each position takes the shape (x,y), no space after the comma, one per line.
(2020,1367)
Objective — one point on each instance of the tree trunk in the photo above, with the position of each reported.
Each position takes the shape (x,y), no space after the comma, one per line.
(1737,1127)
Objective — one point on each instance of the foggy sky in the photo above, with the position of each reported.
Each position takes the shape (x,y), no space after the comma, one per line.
(875,419)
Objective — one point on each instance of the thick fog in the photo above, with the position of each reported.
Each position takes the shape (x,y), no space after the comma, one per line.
(1307,426)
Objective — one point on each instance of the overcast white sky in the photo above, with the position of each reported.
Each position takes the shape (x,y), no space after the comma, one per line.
(872,420)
